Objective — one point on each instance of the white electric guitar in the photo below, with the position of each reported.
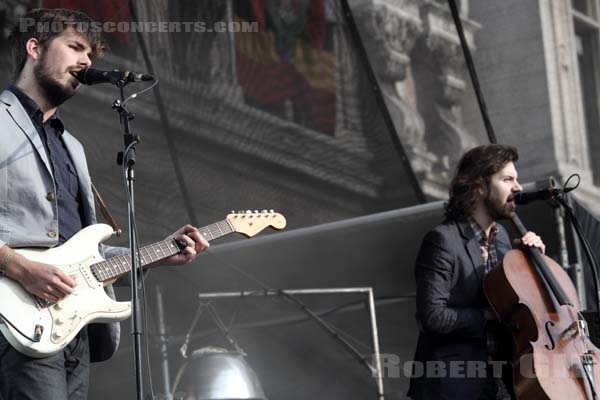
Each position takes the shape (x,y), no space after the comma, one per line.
(38,329)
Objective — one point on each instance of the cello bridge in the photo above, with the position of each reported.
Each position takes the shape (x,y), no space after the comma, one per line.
(577,328)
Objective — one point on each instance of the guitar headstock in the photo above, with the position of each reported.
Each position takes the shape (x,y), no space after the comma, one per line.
(250,222)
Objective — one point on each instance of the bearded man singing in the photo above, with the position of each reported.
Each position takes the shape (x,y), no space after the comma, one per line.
(456,325)
(46,197)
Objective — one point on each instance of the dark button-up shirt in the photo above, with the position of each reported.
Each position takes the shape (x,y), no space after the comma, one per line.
(68,193)
(490,257)
(486,244)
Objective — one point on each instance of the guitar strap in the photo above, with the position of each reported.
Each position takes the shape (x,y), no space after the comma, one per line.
(106,212)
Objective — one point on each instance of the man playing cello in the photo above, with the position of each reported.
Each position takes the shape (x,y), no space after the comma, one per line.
(455,321)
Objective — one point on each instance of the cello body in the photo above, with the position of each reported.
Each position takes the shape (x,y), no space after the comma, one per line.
(553,358)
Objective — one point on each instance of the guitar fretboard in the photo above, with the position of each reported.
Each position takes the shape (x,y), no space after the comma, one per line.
(118,266)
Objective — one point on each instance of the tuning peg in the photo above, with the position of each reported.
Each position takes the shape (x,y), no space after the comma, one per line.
(240,211)
(263,211)
(232,212)
(271,211)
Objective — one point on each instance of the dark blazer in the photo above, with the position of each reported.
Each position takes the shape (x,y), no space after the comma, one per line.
(449,274)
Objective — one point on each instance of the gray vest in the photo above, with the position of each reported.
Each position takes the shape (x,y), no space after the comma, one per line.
(28,216)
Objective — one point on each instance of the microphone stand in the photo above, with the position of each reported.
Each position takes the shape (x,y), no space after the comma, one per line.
(127,160)
(564,201)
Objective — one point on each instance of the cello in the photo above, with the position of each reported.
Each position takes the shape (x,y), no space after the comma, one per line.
(536,301)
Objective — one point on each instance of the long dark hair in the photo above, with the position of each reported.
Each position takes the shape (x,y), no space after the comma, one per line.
(473,172)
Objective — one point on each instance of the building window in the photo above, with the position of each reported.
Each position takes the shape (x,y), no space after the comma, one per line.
(587,34)
(585,7)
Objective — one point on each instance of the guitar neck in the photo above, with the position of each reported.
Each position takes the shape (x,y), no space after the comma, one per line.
(116,267)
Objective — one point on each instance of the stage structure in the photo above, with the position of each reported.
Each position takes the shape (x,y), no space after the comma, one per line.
(283,116)
(373,365)
(290,354)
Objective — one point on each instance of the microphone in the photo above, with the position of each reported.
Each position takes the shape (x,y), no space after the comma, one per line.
(93,76)
(541,190)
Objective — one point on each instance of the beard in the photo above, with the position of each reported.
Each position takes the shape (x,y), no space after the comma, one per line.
(498,208)
(55,92)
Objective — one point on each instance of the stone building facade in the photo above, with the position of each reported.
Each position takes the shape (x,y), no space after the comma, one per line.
(536,62)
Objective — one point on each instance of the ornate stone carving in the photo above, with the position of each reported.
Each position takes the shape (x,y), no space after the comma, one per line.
(390,30)
(442,63)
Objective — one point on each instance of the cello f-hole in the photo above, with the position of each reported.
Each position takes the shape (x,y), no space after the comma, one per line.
(547,326)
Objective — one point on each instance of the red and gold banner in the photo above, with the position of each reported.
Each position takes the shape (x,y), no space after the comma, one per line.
(288,59)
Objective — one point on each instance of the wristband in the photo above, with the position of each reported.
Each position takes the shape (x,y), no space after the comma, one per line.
(7,257)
